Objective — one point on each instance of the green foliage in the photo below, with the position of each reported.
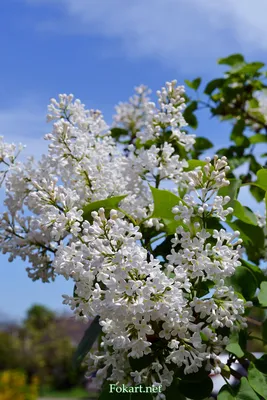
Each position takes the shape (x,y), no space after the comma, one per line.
(244,214)
(232,60)
(164,201)
(192,164)
(75,392)
(39,317)
(244,282)
(234,98)
(261,181)
(201,144)
(261,364)
(196,386)
(231,190)
(234,346)
(85,345)
(253,238)
(257,380)
(137,364)
(262,295)
(116,133)
(10,357)
(108,204)
(258,138)
(189,115)
(41,347)
(243,392)
(257,272)
(213,85)
(193,84)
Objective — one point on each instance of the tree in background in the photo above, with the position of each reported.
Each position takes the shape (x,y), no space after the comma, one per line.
(239,98)
(39,317)
(42,348)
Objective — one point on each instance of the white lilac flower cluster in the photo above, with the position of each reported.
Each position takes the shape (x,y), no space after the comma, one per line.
(8,156)
(146,311)
(145,308)
(83,165)
(162,125)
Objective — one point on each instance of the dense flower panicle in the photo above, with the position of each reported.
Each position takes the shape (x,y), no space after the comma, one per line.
(8,156)
(173,311)
(131,310)
(145,121)
(134,114)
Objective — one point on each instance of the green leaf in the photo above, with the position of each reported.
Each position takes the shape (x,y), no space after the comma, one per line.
(254,165)
(244,282)
(243,392)
(235,349)
(244,213)
(238,129)
(173,392)
(236,161)
(172,225)
(234,346)
(214,84)
(88,339)
(189,116)
(203,288)
(262,295)
(137,364)
(261,181)
(265,198)
(202,143)
(231,191)
(257,380)
(257,272)
(261,363)
(116,133)
(108,204)
(232,60)
(242,141)
(164,201)
(258,138)
(225,394)
(192,164)
(253,238)
(258,115)
(193,84)
(254,103)
(226,372)
(196,386)
(257,193)
(264,330)
(251,68)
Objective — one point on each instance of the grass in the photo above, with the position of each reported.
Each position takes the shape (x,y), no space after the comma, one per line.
(77,393)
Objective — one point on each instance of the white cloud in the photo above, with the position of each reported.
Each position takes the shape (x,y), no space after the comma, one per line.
(25,123)
(176,32)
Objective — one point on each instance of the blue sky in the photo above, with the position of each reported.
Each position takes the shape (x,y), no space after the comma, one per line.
(99,50)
